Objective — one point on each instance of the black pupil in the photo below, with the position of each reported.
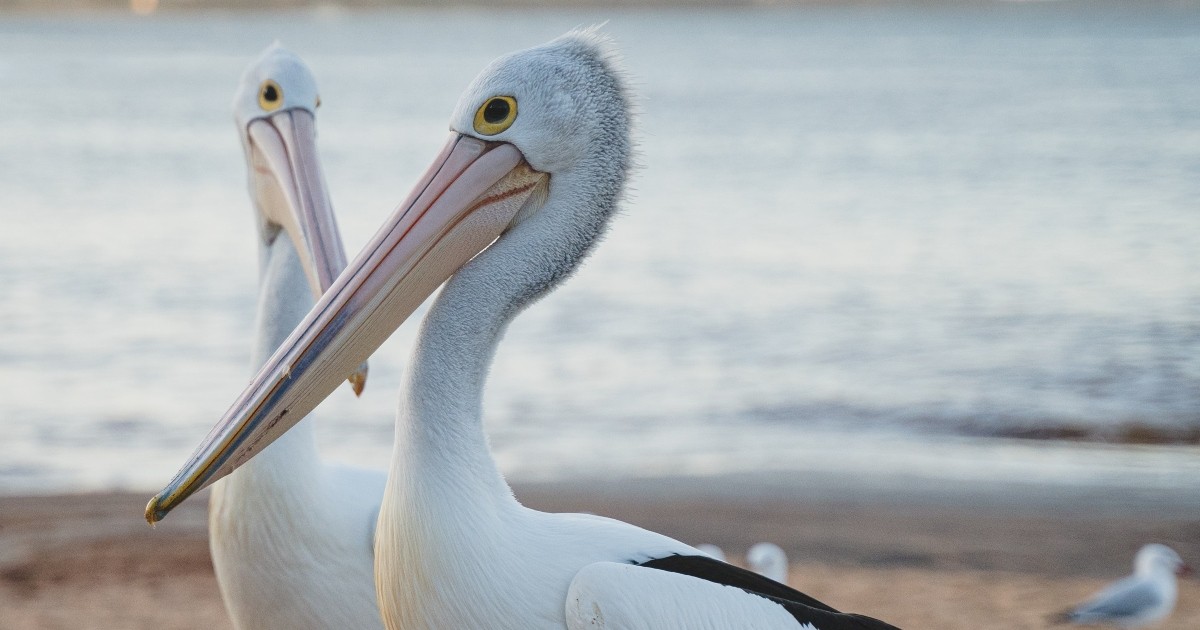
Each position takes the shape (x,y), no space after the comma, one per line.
(496,110)
(270,94)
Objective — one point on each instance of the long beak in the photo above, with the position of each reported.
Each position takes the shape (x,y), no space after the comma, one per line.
(466,200)
(287,183)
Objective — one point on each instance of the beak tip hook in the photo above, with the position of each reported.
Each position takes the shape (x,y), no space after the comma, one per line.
(154,511)
(358,380)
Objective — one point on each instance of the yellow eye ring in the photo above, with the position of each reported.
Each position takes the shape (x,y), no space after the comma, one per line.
(495,115)
(270,96)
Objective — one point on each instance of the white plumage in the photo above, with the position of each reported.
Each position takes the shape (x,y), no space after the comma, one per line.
(291,535)
(768,560)
(535,167)
(1144,598)
(713,551)
(624,597)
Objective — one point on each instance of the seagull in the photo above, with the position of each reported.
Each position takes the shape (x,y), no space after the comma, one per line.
(291,536)
(535,167)
(768,560)
(712,551)
(1146,597)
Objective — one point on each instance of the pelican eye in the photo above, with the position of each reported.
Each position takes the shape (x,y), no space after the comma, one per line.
(495,115)
(270,96)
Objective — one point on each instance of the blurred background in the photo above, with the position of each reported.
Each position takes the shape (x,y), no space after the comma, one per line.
(910,289)
(950,242)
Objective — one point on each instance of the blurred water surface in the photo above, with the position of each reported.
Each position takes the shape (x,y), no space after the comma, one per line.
(859,239)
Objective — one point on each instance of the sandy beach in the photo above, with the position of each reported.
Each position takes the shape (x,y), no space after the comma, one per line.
(920,560)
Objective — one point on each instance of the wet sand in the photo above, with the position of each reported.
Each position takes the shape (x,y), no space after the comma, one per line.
(921,559)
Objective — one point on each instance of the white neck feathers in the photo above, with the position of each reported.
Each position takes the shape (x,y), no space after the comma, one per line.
(284,298)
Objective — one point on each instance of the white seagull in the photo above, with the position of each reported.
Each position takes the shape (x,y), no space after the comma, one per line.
(290,535)
(711,550)
(534,169)
(1146,597)
(768,560)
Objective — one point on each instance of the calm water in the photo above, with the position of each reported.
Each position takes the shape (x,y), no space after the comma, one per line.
(861,238)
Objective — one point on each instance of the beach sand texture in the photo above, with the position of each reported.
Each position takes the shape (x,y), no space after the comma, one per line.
(88,561)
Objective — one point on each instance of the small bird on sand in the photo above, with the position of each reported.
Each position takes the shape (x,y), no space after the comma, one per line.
(1146,597)
(768,560)
(712,550)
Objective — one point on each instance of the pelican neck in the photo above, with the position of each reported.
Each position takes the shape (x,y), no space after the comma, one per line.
(284,298)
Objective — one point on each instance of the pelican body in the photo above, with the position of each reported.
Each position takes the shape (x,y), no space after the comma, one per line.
(535,167)
(1144,598)
(291,536)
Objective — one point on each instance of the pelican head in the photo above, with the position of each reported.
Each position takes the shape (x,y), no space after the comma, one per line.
(534,168)
(563,105)
(275,110)
(1154,558)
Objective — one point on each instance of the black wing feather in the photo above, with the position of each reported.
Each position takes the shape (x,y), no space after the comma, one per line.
(804,608)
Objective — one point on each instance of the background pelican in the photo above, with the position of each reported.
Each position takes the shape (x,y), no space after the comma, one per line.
(290,535)
(1146,597)
(534,169)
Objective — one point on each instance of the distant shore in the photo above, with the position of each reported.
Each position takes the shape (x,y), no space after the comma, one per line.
(923,558)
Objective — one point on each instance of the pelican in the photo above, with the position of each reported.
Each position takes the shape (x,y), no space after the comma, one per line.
(291,536)
(1146,597)
(534,169)
(768,560)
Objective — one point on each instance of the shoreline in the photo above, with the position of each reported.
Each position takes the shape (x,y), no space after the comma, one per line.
(870,520)
(1055,531)
(932,557)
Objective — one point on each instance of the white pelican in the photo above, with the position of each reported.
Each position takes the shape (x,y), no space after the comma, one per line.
(768,560)
(534,168)
(1146,597)
(291,535)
